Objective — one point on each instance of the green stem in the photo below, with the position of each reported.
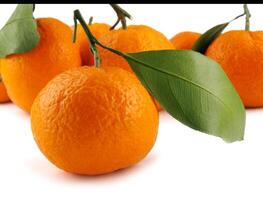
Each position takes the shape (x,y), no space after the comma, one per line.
(90,37)
(248,15)
(121,14)
(93,41)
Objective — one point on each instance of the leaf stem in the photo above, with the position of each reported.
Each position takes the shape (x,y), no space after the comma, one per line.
(90,37)
(248,15)
(121,14)
(241,15)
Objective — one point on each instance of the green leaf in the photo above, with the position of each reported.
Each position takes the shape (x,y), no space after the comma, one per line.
(193,89)
(208,37)
(19,34)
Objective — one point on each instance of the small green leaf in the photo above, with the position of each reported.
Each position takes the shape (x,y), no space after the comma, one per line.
(19,34)
(193,89)
(208,37)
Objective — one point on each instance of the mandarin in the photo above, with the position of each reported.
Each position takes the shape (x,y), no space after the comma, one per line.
(97,29)
(26,74)
(240,53)
(94,121)
(185,40)
(135,38)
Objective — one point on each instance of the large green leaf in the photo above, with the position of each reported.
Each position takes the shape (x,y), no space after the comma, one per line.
(190,86)
(19,34)
(193,89)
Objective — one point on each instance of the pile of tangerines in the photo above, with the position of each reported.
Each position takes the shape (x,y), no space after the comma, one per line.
(95,120)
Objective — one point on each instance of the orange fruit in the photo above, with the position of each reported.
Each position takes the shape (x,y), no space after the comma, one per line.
(93,121)
(97,29)
(185,40)
(134,39)
(26,74)
(240,53)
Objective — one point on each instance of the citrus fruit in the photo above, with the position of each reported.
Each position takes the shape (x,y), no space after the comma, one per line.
(240,53)
(134,39)
(185,40)
(97,29)
(26,74)
(93,121)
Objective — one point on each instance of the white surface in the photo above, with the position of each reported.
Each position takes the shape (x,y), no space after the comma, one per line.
(184,164)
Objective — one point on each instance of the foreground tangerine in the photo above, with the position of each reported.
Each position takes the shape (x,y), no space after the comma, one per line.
(185,40)
(94,121)
(24,75)
(240,53)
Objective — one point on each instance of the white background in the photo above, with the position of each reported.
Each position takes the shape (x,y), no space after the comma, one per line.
(184,164)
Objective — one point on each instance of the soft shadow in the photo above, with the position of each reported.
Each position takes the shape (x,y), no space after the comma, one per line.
(45,169)
(6,105)
(21,113)
(16,110)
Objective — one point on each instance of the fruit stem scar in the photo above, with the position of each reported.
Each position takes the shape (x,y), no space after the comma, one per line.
(121,14)
(90,37)
(248,15)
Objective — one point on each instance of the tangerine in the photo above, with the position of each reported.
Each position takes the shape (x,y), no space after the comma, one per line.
(240,53)
(24,75)
(94,121)
(185,40)
(97,29)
